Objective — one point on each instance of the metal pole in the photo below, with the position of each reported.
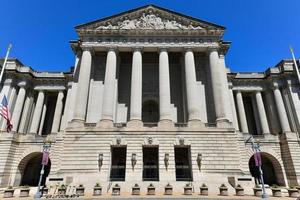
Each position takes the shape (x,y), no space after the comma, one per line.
(5,60)
(264,194)
(256,149)
(295,63)
(38,193)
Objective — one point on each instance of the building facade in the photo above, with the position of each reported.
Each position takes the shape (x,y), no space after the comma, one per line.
(150,100)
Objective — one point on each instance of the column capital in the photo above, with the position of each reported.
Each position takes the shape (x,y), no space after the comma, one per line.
(212,49)
(112,48)
(163,49)
(188,49)
(139,49)
(22,84)
(275,85)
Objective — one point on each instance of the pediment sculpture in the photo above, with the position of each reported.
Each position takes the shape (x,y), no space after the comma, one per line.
(149,21)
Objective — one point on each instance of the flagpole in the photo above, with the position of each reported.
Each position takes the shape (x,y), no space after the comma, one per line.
(5,60)
(295,63)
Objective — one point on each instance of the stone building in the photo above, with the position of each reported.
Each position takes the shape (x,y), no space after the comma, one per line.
(150,100)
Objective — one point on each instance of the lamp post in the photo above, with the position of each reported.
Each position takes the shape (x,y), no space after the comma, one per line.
(45,159)
(256,148)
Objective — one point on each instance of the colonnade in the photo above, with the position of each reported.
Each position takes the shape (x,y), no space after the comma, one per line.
(20,100)
(262,115)
(219,86)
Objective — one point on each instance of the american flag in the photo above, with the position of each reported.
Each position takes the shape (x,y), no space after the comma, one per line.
(4,112)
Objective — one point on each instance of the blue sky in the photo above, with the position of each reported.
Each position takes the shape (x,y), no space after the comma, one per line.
(260,30)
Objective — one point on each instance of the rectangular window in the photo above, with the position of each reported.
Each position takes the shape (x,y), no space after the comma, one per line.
(118,163)
(183,164)
(150,164)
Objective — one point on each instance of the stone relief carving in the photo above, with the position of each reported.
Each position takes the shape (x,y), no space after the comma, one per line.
(149,21)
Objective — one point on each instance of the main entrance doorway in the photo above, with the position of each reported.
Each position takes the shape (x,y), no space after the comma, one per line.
(272,172)
(150,164)
(183,164)
(32,170)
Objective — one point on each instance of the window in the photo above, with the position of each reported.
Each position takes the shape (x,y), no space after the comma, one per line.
(150,164)
(118,163)
(183,164)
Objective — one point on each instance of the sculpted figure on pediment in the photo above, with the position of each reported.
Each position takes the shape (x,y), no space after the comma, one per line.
(148,21)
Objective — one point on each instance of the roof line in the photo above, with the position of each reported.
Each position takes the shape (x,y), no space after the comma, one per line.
(145,6)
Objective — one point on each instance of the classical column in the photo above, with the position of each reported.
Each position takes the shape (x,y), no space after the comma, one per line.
(136,86)
(262,113)
(109,86)
(164,86)
(219,85)
(19,106)
(43,116)
(37,113)
(191,86)
(241,112)
(26,110)
(57,112)
(83,85)
(284,122)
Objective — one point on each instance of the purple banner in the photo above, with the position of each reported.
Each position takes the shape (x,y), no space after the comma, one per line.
(45,158)
(257,158)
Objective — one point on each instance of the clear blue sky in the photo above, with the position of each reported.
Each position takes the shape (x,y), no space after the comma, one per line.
(260,30)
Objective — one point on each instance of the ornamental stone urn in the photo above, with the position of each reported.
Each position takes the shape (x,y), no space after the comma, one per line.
(9,192)
(223,190)
(188,189)
(293,192)
(62,190)
(204,190)
(257,191)
(239,190)
(151,189)
(45,191)
(168,189)
(136,189)
(97,190)
(80,190)
(116,190)
(276,191)
(24,191)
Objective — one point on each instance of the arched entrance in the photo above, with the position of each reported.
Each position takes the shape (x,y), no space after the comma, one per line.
(271,168)
(30,168)
(150,112)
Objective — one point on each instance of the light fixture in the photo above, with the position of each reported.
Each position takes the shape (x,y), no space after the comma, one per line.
(167,156)
(199,160)
(100,160)
(133,160)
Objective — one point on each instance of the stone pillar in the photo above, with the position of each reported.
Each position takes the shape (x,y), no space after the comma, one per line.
(164,87)
(136,88)
(57,112)
(83,86)
(37,113)
(262,113)
(67,107)
(284,122)
(191,87)
(26,110)
(219,86)
(241,112)
(19,106)
(43,116)
(109,87)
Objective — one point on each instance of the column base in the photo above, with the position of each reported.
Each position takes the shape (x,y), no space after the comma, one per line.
(135,123)
(196,124)
(289,135)
(223,123)
(165,123)
(105,123)
(76,123)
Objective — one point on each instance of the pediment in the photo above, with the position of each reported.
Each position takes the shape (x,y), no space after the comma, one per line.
(149,18)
